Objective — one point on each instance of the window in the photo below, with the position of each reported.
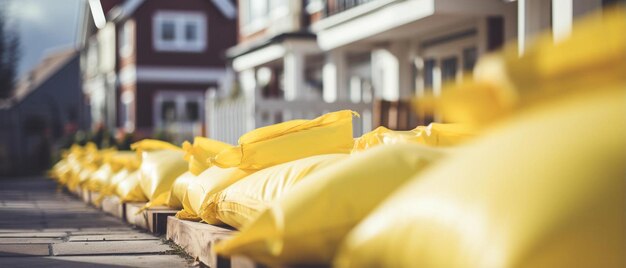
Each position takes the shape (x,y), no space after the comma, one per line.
(254,15)
(180,31)
(168,111)
(449,69)
(191,32)
(167,31)
(192,111)
(470,56)
(173,106)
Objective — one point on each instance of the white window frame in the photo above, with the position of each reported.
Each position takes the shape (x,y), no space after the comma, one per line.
(180,98)
(257,24)
(180,19)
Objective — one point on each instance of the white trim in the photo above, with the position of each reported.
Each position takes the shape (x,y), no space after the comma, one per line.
(179,75)
(384,19)
(126,39)
(259,57)
(132,74)
(180,19)
(128,75)
(347,15)
(257,24)
(98,14)
(314,6)
(226,7)
(562,16)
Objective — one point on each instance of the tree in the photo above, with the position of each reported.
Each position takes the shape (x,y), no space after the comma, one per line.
(9,55)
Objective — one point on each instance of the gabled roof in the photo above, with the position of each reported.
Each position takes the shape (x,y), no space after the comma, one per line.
(50,65)
(129,7)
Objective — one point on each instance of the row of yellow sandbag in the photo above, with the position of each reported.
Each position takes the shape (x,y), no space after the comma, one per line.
(227,192)
(160,175)
(543,186)
(99,171)
(537,190)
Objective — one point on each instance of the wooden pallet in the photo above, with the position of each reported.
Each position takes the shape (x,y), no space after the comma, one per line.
(153,219)
(93,197)
(84,194)
(112,205)
(198,240)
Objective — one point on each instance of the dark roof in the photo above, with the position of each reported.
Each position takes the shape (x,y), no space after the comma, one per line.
(248,47)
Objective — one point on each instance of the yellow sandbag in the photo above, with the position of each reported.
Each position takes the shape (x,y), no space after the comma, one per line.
(504,83)
(199,153)
(161,164)
(306,225)
(129,189)
(239,204)
(129,163)
(179,190)
(100,177)
(544,190)
(152,145)
(58,168)
(209,182)
(158,171)
(435,134)
(267,146)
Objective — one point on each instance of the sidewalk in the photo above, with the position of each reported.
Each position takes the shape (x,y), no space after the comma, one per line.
(42,227)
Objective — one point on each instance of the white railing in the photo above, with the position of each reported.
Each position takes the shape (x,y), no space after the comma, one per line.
(229,119)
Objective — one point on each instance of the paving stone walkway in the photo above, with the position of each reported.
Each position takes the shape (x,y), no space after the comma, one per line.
(42,227)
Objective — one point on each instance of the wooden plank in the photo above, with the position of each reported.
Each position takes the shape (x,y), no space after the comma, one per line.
(112,205)
(157,219)
(93,197)
(84,193)
(198,240)
(153,219)
(133,217)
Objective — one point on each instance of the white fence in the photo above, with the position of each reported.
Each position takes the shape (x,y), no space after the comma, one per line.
(228,119)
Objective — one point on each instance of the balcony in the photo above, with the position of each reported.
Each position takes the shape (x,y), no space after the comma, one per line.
(332,7)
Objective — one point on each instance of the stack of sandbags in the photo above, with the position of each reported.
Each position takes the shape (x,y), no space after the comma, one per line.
(198,155)
(542,186)
(263,148)
(161,164)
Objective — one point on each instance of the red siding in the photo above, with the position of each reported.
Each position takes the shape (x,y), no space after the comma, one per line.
(146,93)
(221,33)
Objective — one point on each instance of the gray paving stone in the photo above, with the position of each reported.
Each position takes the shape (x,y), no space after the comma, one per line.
(36,240)
(147,261)
(32,234)
(112,248)
(120,228)
(17,230)
(102,232)
(38,221)
(24,250)
(112,237)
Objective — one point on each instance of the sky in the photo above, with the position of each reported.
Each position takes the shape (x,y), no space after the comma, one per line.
(43,25)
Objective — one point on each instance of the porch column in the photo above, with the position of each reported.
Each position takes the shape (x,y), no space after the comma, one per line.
(533,16)
(294,75)
(335,76)
(247,81)
(562,13)
(391,69)
(402,52)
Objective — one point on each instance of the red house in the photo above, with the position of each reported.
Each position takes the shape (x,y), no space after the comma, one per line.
(147,65)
